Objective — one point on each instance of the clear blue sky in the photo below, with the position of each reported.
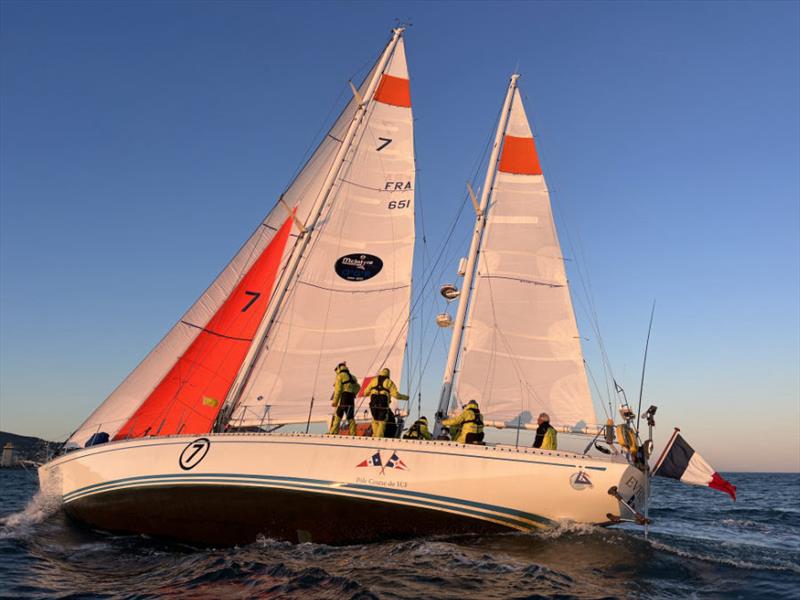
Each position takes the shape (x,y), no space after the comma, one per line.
(142,142)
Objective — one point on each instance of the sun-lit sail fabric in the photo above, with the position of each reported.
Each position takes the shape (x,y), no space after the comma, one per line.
(189,397)
(350,298)
(125,400)
(521,352)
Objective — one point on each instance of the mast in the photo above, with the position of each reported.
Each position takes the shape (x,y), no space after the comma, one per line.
(480,223)
(307,231)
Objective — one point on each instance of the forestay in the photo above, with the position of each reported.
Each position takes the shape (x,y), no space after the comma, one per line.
(521,352)
(350,298)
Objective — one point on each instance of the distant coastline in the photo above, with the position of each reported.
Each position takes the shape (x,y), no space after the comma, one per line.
(22,451)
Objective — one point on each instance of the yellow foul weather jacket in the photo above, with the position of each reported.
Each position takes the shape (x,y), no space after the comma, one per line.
(388,386)
(550,439)
(469,420)
(345,382)
(419,431)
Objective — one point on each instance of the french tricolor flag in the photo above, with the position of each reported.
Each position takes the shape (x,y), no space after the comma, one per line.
(680,461)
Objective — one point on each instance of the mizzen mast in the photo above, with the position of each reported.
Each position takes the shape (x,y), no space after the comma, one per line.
(474,248)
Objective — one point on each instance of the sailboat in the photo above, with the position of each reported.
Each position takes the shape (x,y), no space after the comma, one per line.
(190,445)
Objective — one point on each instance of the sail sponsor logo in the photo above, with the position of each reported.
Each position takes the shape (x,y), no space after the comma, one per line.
(194,453)
(358,267)
(580,480)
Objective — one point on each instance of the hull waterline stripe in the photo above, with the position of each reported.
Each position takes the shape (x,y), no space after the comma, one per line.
(432,500)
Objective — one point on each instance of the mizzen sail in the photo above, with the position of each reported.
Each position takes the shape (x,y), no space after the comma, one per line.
(520,352)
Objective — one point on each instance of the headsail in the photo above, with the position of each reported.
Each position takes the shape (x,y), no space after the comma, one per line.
(161,391)
(208,367)
(350,298)
(520,352)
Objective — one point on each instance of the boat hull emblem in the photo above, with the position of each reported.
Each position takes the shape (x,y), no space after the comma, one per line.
(580,481)
(358,267)
(393,462)
(194,453)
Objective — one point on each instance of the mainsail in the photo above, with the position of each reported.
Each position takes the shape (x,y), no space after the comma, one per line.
(520,351)
(350,298)
(182,384)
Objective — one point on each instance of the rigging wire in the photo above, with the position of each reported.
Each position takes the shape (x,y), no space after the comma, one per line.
(644,365)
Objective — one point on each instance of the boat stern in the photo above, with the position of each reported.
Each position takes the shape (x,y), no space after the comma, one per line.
(632,494)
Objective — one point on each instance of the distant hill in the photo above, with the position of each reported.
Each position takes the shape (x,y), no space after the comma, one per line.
(28,447)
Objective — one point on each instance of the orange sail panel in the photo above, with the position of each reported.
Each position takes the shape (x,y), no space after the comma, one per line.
(393,90)
(519,156)
(189,397)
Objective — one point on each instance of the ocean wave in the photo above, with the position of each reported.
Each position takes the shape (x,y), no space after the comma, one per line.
(705,551)
(747,524)
(217,576)
(39,508)
(752,512)
(775,565)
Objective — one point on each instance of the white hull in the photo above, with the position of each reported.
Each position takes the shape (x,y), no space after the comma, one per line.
(229,488)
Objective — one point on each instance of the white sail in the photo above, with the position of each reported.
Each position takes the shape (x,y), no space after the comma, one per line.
(521,353)
(350,298)
(129,396)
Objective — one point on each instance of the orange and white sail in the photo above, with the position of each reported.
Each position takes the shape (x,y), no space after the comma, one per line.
(182,384)
(520,351)
(350,298)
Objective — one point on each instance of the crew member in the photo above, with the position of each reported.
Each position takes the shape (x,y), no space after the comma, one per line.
(391,425)
(471,423)
(419,430)
(379,390)
(345,389)
(546,437)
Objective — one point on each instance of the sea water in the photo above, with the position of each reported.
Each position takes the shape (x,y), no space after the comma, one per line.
(701,545)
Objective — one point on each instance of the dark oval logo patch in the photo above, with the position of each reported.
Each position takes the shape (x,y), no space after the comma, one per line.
(358,267)
(194,453)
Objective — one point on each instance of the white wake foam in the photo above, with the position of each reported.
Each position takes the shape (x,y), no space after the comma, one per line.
(567,527)
(41,506)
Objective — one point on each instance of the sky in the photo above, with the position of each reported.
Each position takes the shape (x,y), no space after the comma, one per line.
(140,143)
